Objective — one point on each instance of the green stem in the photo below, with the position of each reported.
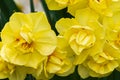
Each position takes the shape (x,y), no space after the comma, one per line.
(32,6)
(98,78)
(30,77)
(3,20)
(46,11)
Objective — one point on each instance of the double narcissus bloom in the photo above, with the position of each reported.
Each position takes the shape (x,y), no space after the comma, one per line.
(27,39)
(29,42)
(83,33)
(60,62)
(102,64)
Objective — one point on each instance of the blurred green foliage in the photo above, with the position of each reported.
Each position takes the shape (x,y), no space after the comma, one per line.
(7,8)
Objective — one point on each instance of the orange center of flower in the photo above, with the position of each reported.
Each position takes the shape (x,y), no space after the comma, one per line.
(26,45)
(117,41)
(23,45)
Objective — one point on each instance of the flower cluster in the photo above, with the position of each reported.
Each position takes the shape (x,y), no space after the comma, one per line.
(93,34)
(89,40)
(30,46)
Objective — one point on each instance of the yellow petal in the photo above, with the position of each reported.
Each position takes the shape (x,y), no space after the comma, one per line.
(52,68)
(97,48)
(63,72)
(34,60)
(79,5)
(64,24)
(86,15)
(112,65)
(115,53)
(21,19)
(83,72)
(62,1)
(6,53)
(76,48)
(39,21)
(55,60)
(79,59)
(99,30)
(44,42)
(62,43)
(54,5)
(9,31)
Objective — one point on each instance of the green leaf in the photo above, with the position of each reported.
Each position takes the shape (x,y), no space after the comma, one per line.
(7,8)
(32,6)
(3,20)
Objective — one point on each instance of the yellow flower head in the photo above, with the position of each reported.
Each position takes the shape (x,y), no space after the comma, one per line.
(102,64)
(27,39)
(59,62)
(82,38)
(82,33)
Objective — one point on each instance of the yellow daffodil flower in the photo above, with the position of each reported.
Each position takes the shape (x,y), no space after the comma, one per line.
(102,64)
(83,33)
(59,62)
(27,39)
